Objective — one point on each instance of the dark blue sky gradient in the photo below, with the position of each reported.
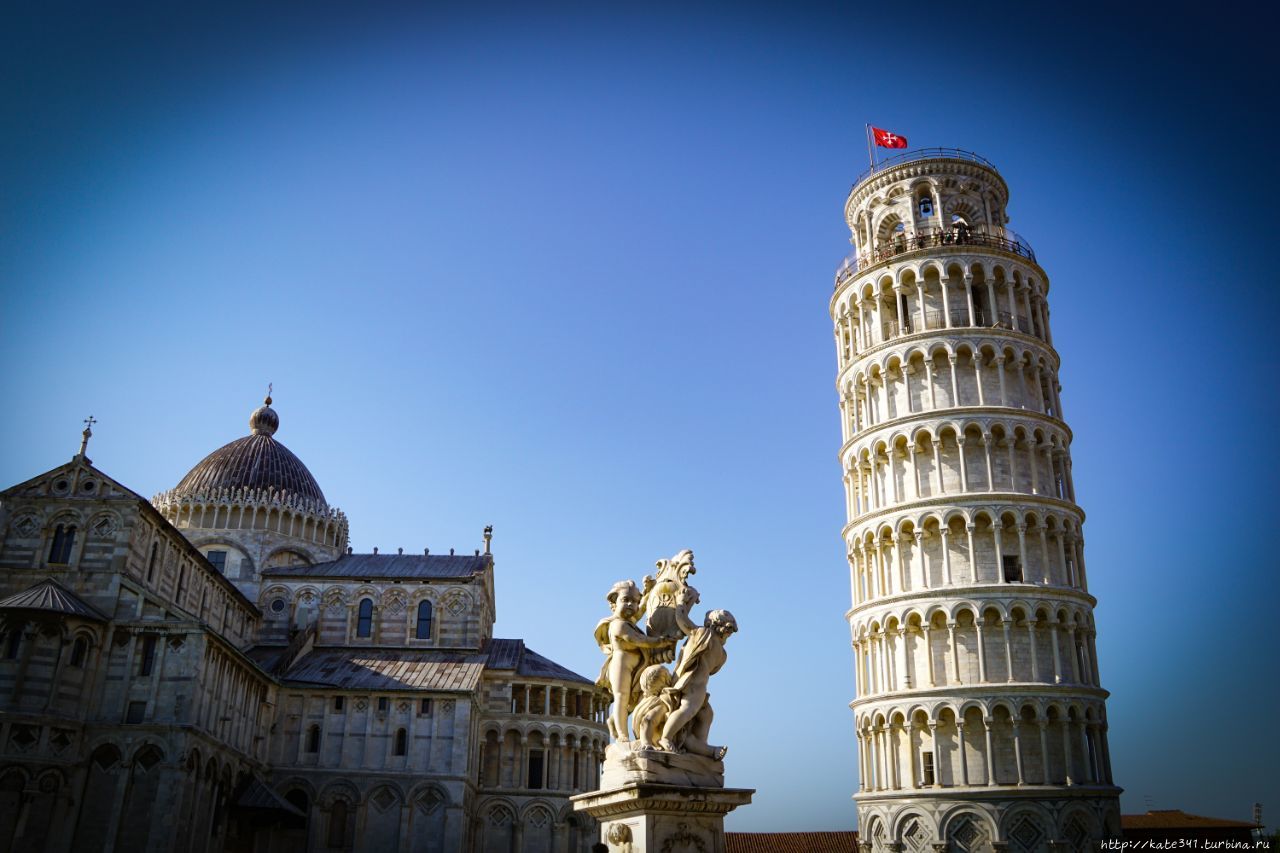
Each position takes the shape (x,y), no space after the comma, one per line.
(567,271)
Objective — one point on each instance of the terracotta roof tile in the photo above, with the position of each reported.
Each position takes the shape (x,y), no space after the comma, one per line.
(1176,819)
(791,842)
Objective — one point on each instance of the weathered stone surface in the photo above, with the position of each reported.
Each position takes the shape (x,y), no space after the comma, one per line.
(654,818)
(629,762)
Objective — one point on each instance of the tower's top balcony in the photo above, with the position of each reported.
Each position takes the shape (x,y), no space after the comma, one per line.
(903,243)
(926,199)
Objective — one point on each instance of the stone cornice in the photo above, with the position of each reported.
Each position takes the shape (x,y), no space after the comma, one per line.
(988,692)
(651,798)
(270,498)
(975,593)
(945,417)
(963,254)
(963,500)
(987,793)
(954,336)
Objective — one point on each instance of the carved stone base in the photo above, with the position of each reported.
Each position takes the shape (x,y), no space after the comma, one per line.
(625,763)
(650,818)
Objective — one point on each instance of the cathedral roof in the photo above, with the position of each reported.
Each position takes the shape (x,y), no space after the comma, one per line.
(515,655)
(256,461)
(389,566)
(52,597)
(374,668)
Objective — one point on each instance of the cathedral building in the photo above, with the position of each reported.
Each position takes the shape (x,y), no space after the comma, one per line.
(980,715)
(217,670)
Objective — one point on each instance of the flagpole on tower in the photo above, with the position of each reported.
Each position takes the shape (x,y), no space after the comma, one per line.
(871,151)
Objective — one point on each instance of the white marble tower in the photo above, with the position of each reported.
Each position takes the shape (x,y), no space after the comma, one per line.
(980,718)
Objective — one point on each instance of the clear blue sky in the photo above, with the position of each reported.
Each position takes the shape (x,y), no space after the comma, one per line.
(567,272)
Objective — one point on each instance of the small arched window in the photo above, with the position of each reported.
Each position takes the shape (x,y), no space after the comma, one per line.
(423,631)
(402,741)
(79,650)
(338,824)
(64,536)
(364,618)
(313,739)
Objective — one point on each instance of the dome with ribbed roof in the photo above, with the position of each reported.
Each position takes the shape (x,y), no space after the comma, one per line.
(256,461)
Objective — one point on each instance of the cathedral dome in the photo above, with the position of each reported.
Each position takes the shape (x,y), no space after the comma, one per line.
(256,461)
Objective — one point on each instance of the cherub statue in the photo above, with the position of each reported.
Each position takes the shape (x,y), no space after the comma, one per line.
(652,711)
(701,657)
(628,652)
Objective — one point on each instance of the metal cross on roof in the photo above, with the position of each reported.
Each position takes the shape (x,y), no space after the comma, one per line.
(88,431)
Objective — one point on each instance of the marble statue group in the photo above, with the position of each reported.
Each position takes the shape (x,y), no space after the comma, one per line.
(669,709)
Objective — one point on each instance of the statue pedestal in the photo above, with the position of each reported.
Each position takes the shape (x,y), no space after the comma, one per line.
(645,817)
(629,762)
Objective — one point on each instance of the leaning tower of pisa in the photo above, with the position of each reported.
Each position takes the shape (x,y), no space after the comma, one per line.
(979,713)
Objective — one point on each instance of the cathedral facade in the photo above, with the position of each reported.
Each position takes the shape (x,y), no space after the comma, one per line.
(980,715)
(215,669)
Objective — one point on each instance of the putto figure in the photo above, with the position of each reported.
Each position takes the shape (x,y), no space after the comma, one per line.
(628,650)
(672,708)
(700,658)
